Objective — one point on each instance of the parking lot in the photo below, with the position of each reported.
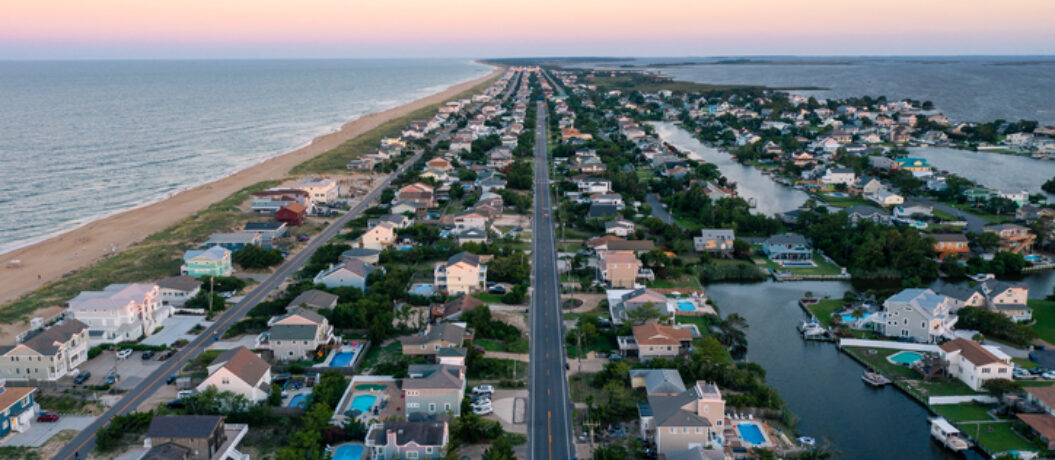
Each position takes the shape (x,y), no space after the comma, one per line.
(131,371)
(174,328)
(40,432)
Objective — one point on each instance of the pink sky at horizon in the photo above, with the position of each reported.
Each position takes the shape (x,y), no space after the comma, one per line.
(461,28)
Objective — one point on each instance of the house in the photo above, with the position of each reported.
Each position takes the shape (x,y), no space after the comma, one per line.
(434,338)
(320,190)
(471,235)
(48,354)
(881,162)
(407,440)
(314,299)
(861,213)
(1007,298)
(492,184)
(470,219)
(452,309)
(913,211)
(434,174)
(613,199)
(120,312)
(602,211)
(954,244)
(663,382)
(602,244)
(419,193)
(788,247)
(866,185)
(270,201)
(193,437)
(917,166)
(591,185)
(18,407)
(370,256)
(292,214)
(919,314)
(836,176)
(620,268)
(177,290)
(1042,424)
(440,164)
(653,340)
(1030,212)
(349,273)
(377,238)
(241,372)
(297,335)
(269,231)
(234,241)
(975,364)
(432,389)
(463,273)
(885,198)
(715,241)
(690,418)
(1013,237)
(215,261)
(622,303)
(619,227)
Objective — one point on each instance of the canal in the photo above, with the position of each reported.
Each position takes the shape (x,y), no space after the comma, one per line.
(1007,173)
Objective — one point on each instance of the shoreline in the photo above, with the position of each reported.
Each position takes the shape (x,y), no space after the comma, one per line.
(55,256)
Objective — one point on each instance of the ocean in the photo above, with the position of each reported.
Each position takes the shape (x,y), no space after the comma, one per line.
(81,140)
(964,88)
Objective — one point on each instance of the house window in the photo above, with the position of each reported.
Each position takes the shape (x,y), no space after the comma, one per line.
(226,381)
(923,324)
(432,407)
(673,430)
(412,454)
(985,370)
(447,406)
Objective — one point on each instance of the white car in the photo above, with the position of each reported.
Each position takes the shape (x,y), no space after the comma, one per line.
(483,410)
(482,403)
(1049,375)
(124,354)
(484,389)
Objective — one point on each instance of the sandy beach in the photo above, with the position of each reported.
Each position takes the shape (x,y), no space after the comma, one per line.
(50,259)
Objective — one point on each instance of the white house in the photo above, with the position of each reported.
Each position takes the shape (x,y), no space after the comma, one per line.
(120,312)
(975,364)
(177,290)
(349,273)
(239,371)
(320,189)
(619,227)
(835,176)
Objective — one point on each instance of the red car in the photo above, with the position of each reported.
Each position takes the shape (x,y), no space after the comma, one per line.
(47,417)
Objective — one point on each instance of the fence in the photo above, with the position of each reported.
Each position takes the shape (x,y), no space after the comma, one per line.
(889,345)
(937,400)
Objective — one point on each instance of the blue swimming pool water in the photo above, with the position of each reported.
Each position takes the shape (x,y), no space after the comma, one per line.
(363,403)
(686,306)
(850,318)
(348,452)
(751,433)
(798,264)
(905,357)
(1033,257)
(342,359)
(300,400)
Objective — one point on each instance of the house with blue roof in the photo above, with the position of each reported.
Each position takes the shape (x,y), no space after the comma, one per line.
(215,261)
(919,314)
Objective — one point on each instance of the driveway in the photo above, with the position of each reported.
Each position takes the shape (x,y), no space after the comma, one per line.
(131,371)
(975,224)
(40,432)
(657,208)
(174,328)
(510,407)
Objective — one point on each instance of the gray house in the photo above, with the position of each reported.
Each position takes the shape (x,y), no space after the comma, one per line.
(718,241)
(432,389)
(315,299)
(399,440)
(788,247)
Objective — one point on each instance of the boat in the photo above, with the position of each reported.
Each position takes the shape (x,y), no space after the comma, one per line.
(807,441)
(947,434)
(814,330)
(875,379)
(807,324)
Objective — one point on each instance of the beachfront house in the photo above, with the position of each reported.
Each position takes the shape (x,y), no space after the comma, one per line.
(432,389)
(463,273)
(296,335)
(270,201)
(214,261)
(787,247)
(241,372)
(19,409)
(292,214)
(715,241)
(47,354)
(835,176)
(407,440)
(120,312)
(177,290)
(349,273)
(233,241)
(321,190)
(917,166)
(270,231)
(919,314)
(974,364)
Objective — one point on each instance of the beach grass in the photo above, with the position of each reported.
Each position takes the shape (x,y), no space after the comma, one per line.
(336,160)
(222,216)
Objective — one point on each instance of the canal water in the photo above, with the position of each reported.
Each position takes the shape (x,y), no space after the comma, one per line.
(770,196)
(1008,173)
(822,386)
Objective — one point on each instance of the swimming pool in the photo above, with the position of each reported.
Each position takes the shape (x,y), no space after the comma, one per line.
(751,434)
(1033,257)
(299,400)
(905,357)
(342,359)
(363,403)
(686,306)
(850,318)
(348,452)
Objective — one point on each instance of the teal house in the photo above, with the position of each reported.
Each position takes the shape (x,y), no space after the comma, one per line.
(18,408)
(215,261)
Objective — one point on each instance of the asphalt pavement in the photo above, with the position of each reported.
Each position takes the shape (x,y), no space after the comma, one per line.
(549,420)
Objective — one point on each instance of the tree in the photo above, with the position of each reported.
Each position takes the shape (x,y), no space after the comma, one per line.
(997,388)
(274,398)
(501,449)
(986,240)
(253,256)
(644,313)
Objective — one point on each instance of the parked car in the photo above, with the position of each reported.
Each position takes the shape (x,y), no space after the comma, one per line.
(491,283)
(124,354)
(176,404)
(46,416)
(483,389)
(185,394)
(303,237)
(1038,370)
(497,289)
(148,355)
(483,410)
(1050,375)
(82,377)
(1022,374)
(165,355)
(110,379)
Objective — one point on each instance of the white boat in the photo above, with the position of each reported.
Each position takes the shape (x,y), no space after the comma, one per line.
(875,379)
(947,434)
(814,329)
(807,441)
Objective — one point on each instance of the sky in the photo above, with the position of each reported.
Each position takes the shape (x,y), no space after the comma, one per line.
(181,29)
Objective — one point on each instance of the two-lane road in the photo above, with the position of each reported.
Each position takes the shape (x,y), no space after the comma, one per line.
(84,442)
(549,430)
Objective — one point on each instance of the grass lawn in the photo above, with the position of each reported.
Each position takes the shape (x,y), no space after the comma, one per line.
(823,267)
(997,437)
(824,308)
(702,322)
(374,354)
(1024,363)
(878,361)
(684,282)
(964,412)
(488,297)
(600,343)
(945,388)
(845,202)
(645,174)
(1044,315)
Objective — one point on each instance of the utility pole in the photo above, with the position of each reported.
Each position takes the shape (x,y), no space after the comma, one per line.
(212,279)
